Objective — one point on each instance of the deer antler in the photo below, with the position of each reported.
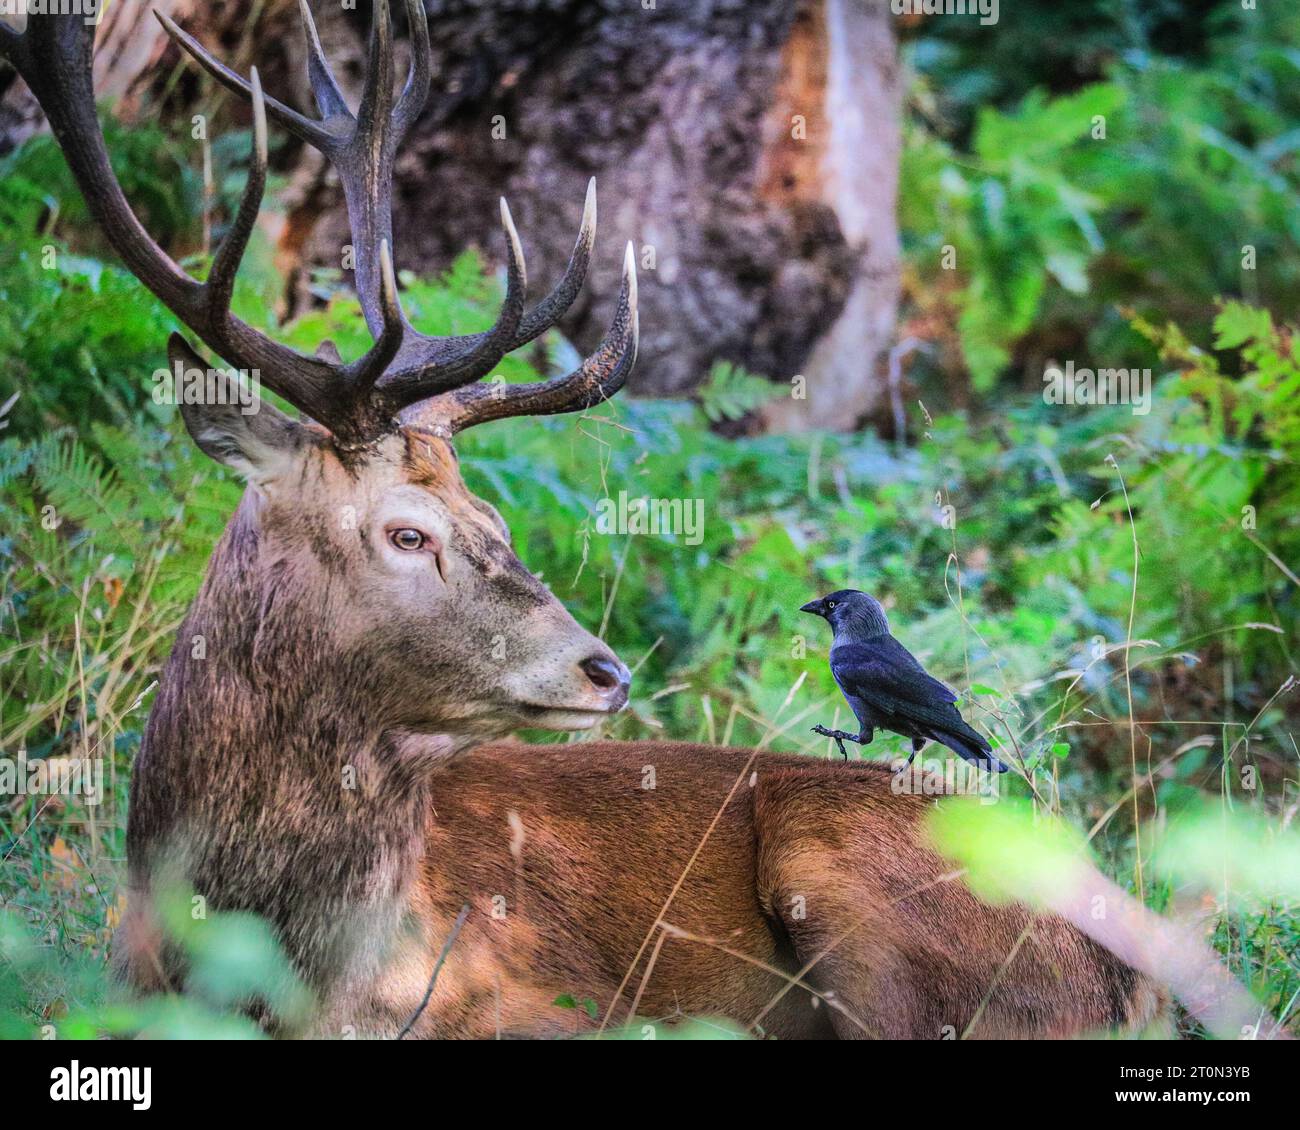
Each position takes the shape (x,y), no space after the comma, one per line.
(362,400)
(595,380)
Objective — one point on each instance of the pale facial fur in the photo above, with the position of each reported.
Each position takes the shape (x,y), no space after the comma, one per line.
(416,572)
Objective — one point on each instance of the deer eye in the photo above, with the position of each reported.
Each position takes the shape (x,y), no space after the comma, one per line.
(407,539)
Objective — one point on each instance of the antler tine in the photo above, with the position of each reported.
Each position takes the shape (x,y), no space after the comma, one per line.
(554,305)
(372,366)
(416,91)
(220,285)
(302,128)
(485,350)
(375,112)
(329,98)
(551,308)
(598,378)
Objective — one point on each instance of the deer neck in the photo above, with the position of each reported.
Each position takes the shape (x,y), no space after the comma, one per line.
(267,781)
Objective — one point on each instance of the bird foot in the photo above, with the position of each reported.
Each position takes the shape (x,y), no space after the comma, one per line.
(840,737)
(918,744)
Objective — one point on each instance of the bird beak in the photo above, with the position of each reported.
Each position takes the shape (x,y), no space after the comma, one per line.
(813,606)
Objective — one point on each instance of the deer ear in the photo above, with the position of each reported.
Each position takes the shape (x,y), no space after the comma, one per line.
(495,514)
(229,420)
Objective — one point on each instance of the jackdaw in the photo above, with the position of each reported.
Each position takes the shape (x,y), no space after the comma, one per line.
(887,687)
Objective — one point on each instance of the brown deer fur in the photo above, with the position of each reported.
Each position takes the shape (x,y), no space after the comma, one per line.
(911,953)
(317,679)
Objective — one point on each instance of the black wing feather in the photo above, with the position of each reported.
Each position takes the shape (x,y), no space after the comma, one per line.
(885,675)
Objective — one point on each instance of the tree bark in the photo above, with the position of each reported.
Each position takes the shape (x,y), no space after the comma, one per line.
(858,178)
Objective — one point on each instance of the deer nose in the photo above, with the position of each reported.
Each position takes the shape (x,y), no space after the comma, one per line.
(606,673)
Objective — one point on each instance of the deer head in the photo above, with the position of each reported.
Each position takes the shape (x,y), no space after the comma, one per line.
(363,527)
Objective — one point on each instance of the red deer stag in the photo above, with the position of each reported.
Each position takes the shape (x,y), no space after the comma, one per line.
(305,769)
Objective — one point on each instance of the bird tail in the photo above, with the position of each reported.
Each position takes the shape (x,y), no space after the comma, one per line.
(972,746)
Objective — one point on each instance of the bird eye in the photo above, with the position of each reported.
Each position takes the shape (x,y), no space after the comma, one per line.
(829,605)
(406,539)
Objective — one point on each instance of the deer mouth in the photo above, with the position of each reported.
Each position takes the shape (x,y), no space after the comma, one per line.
(569,717)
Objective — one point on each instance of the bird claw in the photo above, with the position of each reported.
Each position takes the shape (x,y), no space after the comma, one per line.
(820,729)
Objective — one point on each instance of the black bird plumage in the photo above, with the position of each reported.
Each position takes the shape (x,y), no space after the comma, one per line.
(885,686)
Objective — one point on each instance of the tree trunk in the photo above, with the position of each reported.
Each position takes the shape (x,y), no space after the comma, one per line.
(857,176)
